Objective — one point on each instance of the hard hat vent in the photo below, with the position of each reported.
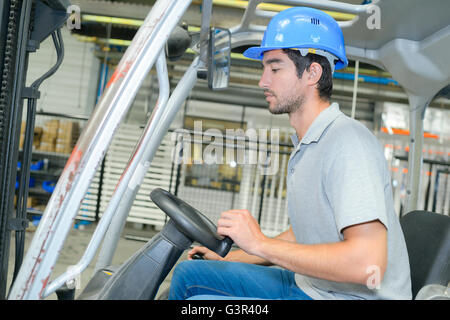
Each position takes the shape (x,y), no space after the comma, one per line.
(315,21)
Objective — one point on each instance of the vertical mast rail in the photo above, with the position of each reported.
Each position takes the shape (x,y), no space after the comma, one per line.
(131,179)
(158,131)
(127,182)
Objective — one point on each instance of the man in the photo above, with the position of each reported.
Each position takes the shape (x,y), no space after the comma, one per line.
(345,241)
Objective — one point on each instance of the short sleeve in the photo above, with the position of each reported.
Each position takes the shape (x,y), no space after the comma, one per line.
(354,186)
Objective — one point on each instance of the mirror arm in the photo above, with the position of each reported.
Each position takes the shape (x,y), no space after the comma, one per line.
(204,30)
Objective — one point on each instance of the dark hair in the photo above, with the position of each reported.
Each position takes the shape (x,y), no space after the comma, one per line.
(325,84)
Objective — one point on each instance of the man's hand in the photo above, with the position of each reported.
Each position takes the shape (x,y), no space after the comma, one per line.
(240,255)
(242,228)
(205,252)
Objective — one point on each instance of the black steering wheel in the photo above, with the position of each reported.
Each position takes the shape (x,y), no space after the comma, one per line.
(191,222)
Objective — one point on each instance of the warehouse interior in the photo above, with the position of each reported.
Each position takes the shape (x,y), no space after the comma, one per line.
(85,53)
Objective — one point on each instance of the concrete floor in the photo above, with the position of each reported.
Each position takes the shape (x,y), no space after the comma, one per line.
(76,244)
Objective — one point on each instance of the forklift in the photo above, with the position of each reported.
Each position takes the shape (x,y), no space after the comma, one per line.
(378,34)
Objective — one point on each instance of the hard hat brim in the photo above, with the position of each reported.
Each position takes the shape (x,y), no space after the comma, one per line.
(257,53)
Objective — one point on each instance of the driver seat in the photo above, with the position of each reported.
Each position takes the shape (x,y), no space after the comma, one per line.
(427,237)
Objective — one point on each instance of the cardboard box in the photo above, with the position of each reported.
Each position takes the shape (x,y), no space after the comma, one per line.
(49,135)
(31,202)
(36,137)
(22,135)
(22,140)
(68,133)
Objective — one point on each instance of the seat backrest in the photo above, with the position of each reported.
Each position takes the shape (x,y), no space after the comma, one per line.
(427,237)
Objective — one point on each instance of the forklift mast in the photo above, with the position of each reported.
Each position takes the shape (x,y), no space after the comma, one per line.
(24,24)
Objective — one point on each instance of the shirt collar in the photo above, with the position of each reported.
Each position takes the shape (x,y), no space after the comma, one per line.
(316,129)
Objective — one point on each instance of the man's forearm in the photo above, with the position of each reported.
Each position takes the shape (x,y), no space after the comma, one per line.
(312,260)
(241,256)
(349,260)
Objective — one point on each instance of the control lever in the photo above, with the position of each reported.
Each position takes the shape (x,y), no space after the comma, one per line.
(198,256)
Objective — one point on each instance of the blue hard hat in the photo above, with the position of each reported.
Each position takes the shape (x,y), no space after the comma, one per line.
(302,28)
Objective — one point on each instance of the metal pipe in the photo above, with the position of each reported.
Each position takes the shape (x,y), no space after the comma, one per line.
(177,98)
(91,148)
(126,182)
(339,7)
(418,106)
(204,30)
(12,83)
(143,156)
(21,211)
(270,6)
(248,15)
(281,185)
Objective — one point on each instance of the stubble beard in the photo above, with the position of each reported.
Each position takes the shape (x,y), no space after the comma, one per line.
(288,105)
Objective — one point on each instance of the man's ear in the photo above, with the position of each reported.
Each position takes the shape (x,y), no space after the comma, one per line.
(315,72)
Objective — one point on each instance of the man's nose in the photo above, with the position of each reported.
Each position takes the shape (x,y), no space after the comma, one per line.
(264,81)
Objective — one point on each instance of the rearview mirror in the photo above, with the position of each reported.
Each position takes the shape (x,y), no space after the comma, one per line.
(219,49)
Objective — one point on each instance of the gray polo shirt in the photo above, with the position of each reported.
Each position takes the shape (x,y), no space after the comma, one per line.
(338,177)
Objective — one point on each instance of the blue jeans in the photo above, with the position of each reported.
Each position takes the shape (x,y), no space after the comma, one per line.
(218,280)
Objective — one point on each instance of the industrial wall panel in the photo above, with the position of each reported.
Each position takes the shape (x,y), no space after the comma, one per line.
(158,175)
(72,89)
